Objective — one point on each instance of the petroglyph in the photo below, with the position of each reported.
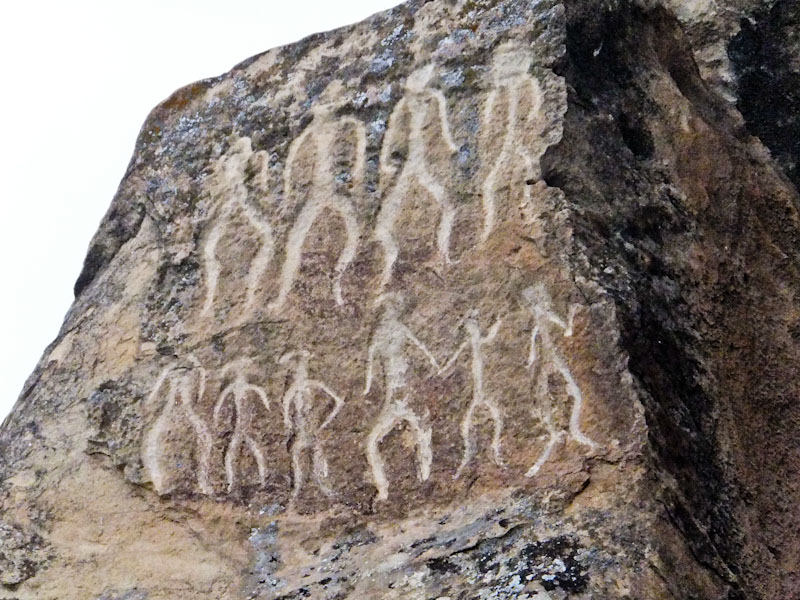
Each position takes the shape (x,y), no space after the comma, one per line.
(475,342)
(230,179)
(539,303)
(297,418)
(319,138)
(388,347)
(415,168)
(522,96)
(184,384)
(241,393)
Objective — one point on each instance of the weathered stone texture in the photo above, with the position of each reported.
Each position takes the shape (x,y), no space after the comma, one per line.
(474,299)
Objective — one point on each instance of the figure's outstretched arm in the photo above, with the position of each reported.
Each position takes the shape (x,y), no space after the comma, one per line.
(293,151)
(451,361)
(493,331)
(370,364)
(532,354)
(571,320)
(442,104)
(221,402)
(389,137)
(361,149)
(422,347)
(262,395)
(337,402)
(558,322)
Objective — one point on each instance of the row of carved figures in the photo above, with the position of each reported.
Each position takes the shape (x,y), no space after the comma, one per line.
(514,90)
(389,348)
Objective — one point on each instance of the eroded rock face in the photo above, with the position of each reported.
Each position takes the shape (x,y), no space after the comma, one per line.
(470,300)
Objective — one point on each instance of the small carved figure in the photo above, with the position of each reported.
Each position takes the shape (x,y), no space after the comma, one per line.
(513,86)
(230,173)
(297,415)
(241,393)
(415,168)
(319,138)
(185,384)
(475,342)
(539,303)
(388,347)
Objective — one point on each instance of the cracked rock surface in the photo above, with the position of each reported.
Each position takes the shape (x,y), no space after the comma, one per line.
(476,299)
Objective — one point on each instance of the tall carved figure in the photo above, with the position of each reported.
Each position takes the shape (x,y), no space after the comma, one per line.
(241,394)
(389,348)
(230,178)
(324,192)
(512,107)
(415,105)
(475,342)
(297,417)
(539,303)
(184,384)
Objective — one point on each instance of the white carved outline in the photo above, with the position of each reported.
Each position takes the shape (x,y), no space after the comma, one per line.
(414,168)
(296,413)
(238,390)
(475,342)
(388,346)
(179,404)
(323,132)
(539,303)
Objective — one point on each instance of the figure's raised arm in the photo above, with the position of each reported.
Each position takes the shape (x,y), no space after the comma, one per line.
(492,333)
(441,102)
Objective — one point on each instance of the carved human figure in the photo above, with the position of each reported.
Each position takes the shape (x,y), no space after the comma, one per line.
(230,178)
(475,342)
(184,384)
(297,418)
(319,139)
(516,95)
(415,169)
(389,346)
(241,393)
(538,302)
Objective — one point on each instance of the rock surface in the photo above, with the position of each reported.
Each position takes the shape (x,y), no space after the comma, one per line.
(474,299)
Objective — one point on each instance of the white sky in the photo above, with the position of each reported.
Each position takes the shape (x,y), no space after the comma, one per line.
(79,78)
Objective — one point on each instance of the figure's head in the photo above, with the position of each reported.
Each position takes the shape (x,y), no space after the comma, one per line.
(238,367)
(393,303)
(537,296)
(295,357)
(325,103)
(510,60)
(419,79)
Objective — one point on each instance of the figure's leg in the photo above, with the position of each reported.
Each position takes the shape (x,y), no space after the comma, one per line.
(211,265)
(320,468)
(386,422)
(466,435)
(497,418)
(384,228)
(294,251)
(348,215)
(423,439)
(260,262)
(259,456)
(545,414)
(230,456)
(577,404)
(206,445)
(297,465)
(448,214)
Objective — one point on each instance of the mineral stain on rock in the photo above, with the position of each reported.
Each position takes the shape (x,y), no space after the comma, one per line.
(476,299)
